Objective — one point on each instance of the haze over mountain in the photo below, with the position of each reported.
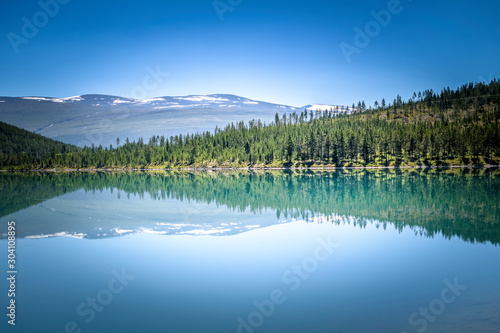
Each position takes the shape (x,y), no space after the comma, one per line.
(100,119)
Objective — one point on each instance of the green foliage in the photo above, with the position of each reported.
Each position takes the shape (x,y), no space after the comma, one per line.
(459,202)
(19,147)
(454,127)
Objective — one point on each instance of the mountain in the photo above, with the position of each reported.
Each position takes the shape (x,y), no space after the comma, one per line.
(323,107)
(97,205)
(100,119)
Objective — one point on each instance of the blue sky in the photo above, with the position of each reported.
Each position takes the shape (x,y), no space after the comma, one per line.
(278,51)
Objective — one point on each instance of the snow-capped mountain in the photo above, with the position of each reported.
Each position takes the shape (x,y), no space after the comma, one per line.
(89,230)
(101,119)
(323,107)
(166,102)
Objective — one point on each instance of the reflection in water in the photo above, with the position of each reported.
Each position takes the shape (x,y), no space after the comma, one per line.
(454,202)
(374,281)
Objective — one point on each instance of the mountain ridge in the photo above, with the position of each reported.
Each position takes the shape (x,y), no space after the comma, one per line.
(98,119)
(219,97)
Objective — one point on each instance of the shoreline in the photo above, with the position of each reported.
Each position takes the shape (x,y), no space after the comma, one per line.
(477,166)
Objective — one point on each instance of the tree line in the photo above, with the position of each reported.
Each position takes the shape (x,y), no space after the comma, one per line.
(458,126)
(450,202)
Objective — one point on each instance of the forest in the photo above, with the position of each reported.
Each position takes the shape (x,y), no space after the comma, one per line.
(450,202)
(452,127)
(20,147)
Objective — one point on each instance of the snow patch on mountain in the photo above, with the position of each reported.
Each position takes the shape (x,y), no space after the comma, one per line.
(38,98)
(121,101)
(325,107)
(320,107)
(73,98)
(157,99)
(202,98)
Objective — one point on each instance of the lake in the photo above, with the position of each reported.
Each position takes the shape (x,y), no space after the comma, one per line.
(253,251)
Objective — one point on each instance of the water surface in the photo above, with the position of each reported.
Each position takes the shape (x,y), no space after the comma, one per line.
(340,251)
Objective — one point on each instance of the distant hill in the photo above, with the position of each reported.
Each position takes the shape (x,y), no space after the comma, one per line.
(18,146)
(453,127)
(430,202)
(100,119)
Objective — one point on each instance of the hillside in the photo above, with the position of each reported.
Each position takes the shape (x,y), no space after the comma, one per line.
(453,127)
(100,119)
(19,147)
(431,202)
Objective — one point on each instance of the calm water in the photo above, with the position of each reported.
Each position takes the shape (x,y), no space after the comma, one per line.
(344,251)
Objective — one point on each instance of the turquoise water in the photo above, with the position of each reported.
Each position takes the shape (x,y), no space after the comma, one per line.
(342,251)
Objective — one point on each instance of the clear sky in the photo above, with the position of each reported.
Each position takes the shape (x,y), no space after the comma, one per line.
(274,50)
